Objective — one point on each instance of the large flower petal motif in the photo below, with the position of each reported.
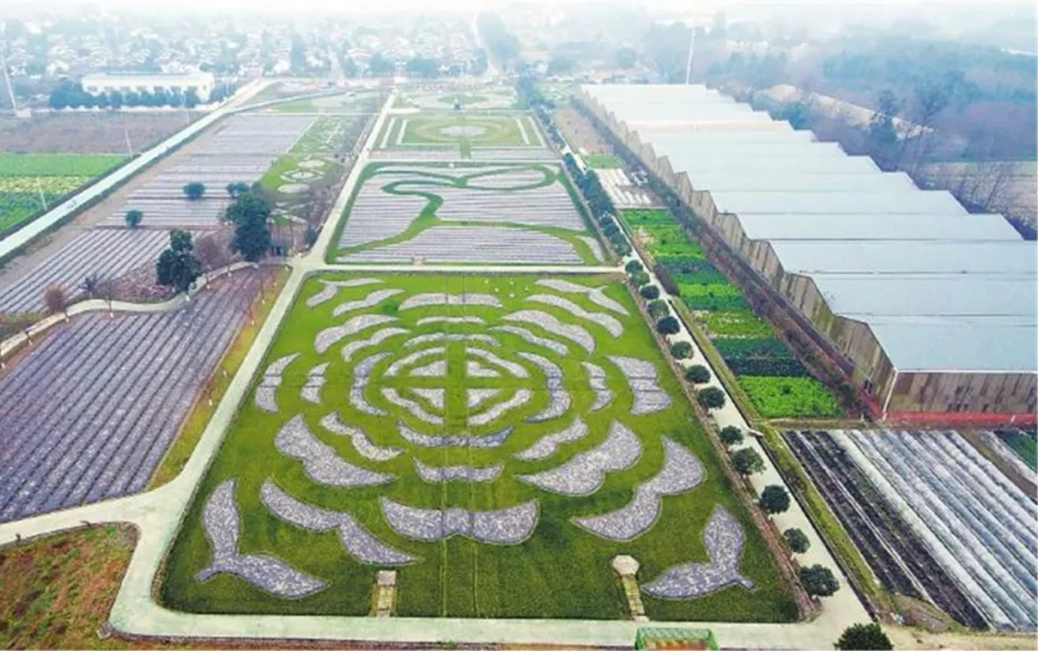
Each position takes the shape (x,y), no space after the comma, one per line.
(472,389)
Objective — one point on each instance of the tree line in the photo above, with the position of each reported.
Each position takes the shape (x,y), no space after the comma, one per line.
(71,94)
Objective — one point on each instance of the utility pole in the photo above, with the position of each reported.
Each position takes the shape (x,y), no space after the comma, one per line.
(691,52)
(7,77)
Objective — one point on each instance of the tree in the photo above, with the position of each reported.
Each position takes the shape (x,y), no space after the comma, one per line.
(731,435)
(864,637)
(626,58)
(711,398)
(380,66)
(55,299)
(697,374)
(194,190)
(639,278)
(668,325)
(250,214)
(90,285)
(422,67)
(237,188)
(658,309)
(650,292)
(774,499)
(634,266)
(133,218)
(819,581)
(747,462)
(797,542)
(178,266)
(310,236)
(682,350)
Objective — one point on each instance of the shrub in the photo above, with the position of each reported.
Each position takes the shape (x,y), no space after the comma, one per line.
(658,309)
(639,278)
(711,398)
(774,499)
(668,325)
(310,237)
(747,461)
(796,540)
(731,435)
(633,266)
(865,637)
(682,349)
(650,292)
(698,374)
(55,299)
(819,581)
(620,245)
(194,190)
(133,218)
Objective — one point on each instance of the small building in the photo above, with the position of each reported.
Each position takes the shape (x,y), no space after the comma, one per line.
(201,82)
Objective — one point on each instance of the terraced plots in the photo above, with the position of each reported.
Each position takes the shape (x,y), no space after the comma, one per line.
(30,183)
(89,413)
(242,150)
(495,440)
(495,214)
(106,253)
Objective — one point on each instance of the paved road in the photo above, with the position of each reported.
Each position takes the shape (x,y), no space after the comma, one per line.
(24,235)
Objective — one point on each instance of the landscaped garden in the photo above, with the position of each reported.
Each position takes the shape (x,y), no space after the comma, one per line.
(493,214)
(462,129)
(495,440)
(31,183)
(767,370)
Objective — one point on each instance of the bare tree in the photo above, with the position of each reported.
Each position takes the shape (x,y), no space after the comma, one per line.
(212,255)
(91,283)
(56,301)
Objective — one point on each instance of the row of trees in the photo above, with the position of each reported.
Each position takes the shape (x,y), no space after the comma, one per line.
(500,43)
(70,94)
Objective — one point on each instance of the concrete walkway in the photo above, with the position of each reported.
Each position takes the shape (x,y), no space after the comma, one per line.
(157,515)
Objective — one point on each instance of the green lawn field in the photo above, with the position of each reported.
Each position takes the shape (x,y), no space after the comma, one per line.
(560,570)
(462,129)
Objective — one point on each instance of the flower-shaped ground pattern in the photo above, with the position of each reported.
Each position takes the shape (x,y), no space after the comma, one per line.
(494,439)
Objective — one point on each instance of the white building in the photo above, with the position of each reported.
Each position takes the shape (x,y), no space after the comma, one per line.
(201,82)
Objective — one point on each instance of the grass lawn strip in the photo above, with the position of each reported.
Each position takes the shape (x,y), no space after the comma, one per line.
(603,161)
(459,577)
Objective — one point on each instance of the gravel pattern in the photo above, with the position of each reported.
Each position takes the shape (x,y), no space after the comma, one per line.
(331,288)
(393,396)
(451,320)
(361,378)
(421,340)
(321,463)
(371,300)
(315,381)
(364,445)
(611,324)
(512,368)
(435,397)
(509,526)
(642,377)
(409,360)
(560,398)
(548,206)
(520,398)
(89,411)
(374,340)
(595,246)
(427,300)
(549,444)
(436,369)
(596,295)
(536,340)
(427,441)
(357,540)
(328,337)
(222,526)
(597,380)
(548,322)
(724,540)
(476,370)
(476,397)
(681,472)
(444,474)
(585,473)
(266,392)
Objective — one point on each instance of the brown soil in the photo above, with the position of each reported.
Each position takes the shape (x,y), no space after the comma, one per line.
(89,133)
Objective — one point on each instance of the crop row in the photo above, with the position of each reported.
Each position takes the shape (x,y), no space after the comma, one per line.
(58,185)
(56,164)
(16,207)
(90,412)
(775,381)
